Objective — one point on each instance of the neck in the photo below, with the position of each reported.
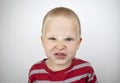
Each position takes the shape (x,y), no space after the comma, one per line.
(57,67)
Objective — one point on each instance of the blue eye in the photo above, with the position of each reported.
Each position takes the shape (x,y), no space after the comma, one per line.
(69,39)
(51,38)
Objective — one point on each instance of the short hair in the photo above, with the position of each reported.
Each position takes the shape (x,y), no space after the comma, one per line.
(58,11)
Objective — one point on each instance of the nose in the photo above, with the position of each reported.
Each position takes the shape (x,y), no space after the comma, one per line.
(60,45)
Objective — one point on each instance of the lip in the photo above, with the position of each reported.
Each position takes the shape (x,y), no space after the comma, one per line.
(60,55)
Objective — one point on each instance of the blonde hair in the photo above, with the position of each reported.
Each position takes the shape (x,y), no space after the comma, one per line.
(61,11)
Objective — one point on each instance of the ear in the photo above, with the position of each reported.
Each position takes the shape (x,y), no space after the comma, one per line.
(79,42)
(42,40)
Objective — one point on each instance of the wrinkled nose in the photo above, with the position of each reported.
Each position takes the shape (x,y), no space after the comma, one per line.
(60,45)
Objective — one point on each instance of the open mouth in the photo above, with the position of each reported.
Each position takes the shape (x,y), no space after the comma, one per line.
(60,55)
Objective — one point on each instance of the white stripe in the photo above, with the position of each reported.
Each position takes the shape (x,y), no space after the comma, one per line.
(76,78)
(65,81)
(91,78)
(37,71)
(47,82)
(79,66)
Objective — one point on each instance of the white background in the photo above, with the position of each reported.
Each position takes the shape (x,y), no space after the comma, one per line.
(20,30)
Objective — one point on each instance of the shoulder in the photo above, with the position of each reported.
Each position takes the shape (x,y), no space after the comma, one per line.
(84,68)
(37,68)
(37,65)
(82,64)
(77,61)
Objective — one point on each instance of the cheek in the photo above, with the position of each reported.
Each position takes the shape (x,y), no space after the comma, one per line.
(47,49)
(48,46)
(73,45)
(72,48)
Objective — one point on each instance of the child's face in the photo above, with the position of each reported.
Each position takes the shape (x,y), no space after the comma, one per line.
(61,39)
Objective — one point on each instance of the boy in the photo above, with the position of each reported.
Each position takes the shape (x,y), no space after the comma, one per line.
(61,37)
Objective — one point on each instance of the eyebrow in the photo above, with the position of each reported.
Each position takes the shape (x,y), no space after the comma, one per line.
(62,38)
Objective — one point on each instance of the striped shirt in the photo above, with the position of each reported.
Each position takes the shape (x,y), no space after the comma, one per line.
(79,72)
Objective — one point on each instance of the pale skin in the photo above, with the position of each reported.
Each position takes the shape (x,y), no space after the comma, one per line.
(60,40)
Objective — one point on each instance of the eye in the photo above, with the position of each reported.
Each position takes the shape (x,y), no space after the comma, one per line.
(69,39)
(51,38)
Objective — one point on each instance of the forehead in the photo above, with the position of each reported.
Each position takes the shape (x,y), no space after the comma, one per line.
(61,25)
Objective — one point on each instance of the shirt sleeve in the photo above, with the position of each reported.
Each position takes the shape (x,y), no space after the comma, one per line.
(91,76)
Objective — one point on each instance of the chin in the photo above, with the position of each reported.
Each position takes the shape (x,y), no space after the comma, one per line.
(60,62)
